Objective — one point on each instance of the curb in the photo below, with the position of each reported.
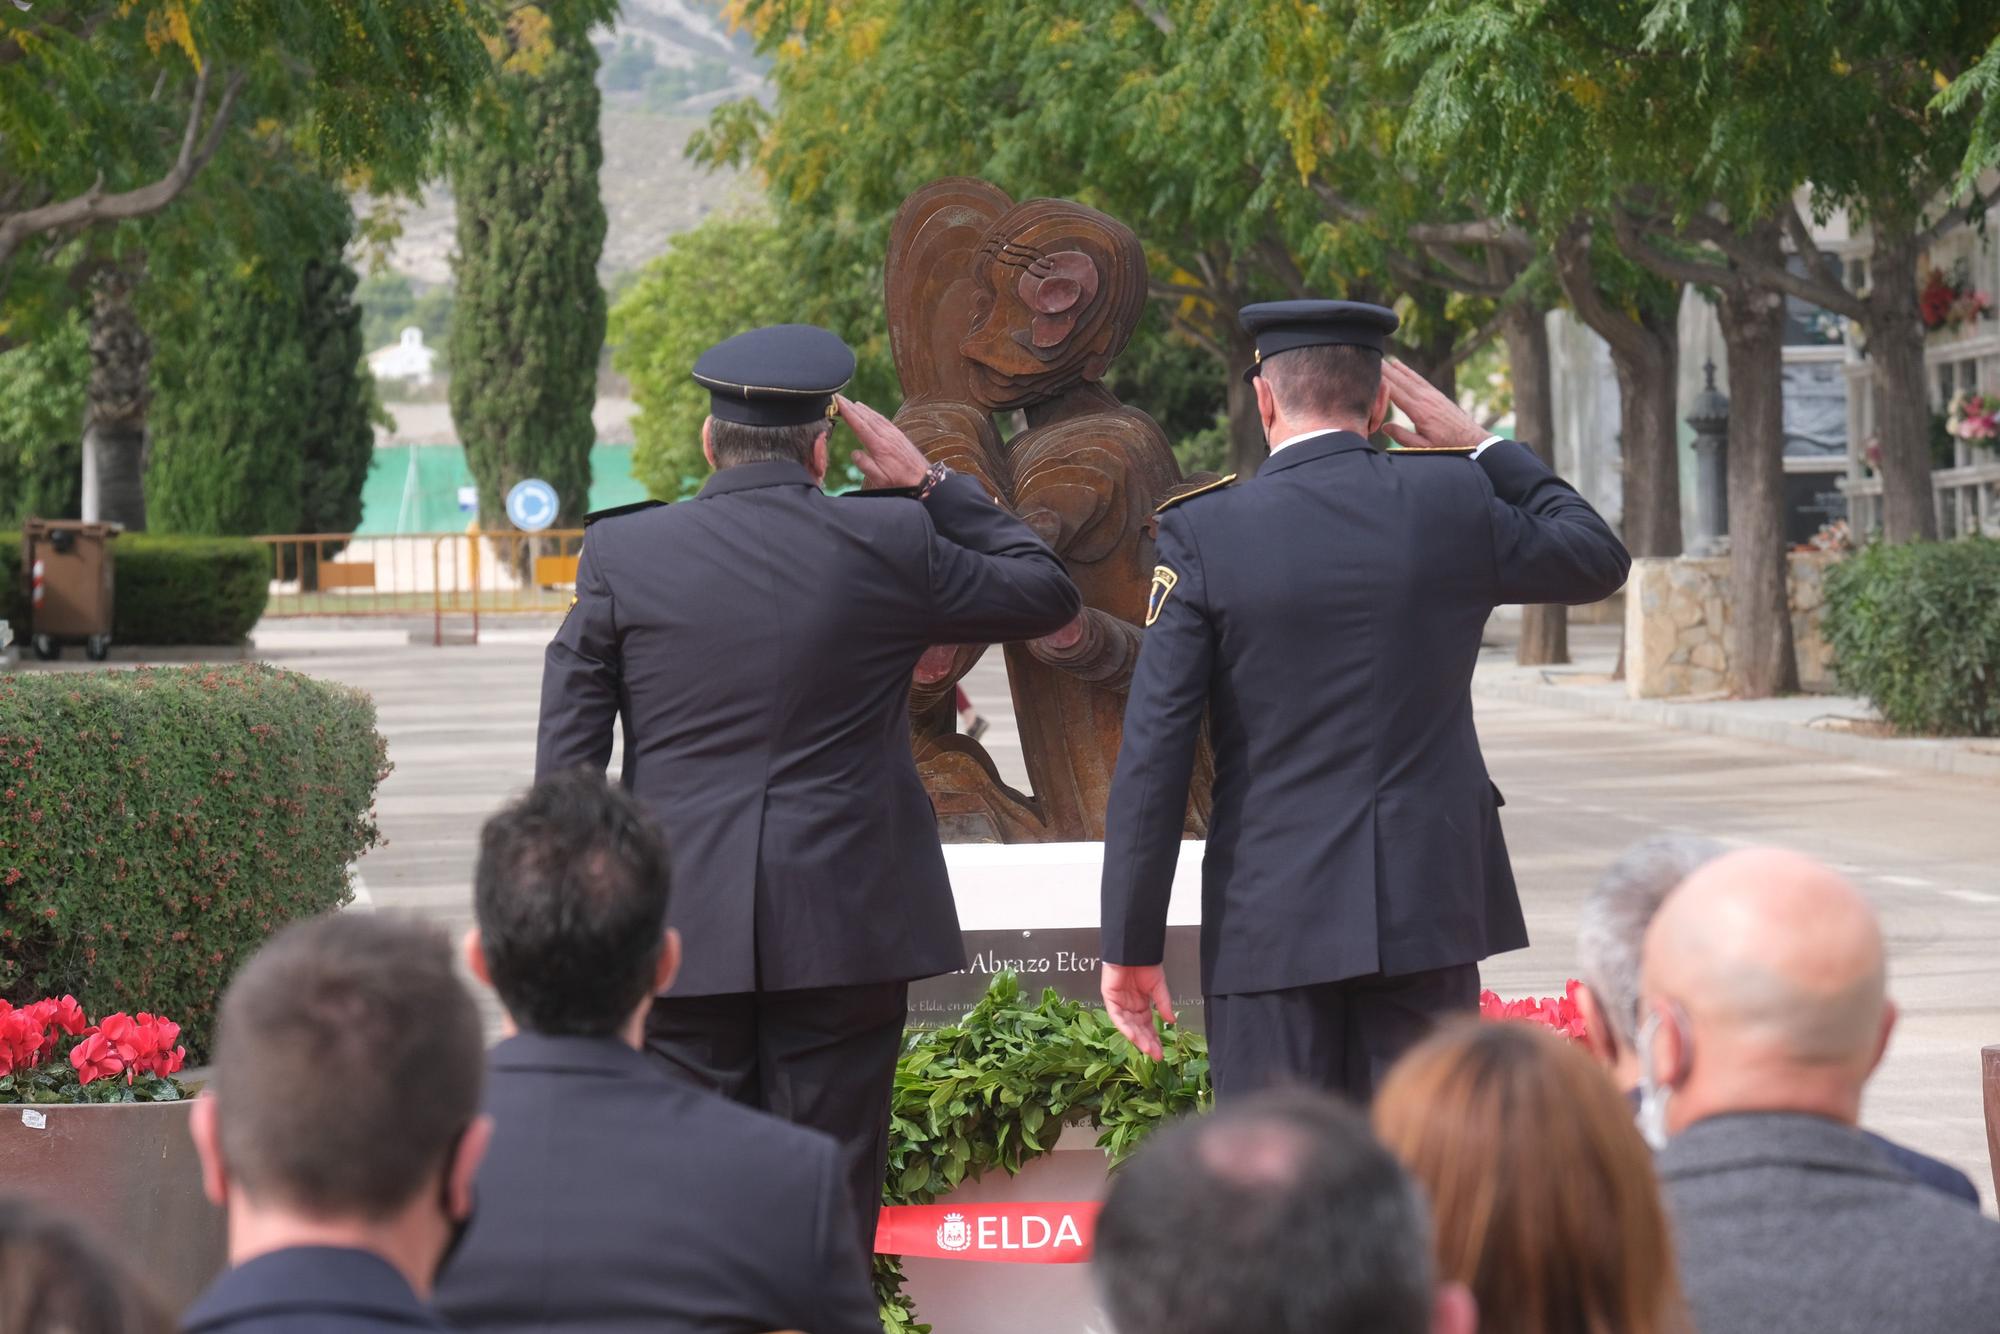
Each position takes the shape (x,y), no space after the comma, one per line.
(1923,756)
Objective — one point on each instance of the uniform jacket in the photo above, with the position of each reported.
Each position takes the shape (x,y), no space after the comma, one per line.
(1327,615)
(310,1290)
(618,1197)
(1785,1222)
(758,642)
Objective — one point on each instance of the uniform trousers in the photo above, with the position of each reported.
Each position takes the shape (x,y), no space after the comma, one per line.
(1341,1036)
(823,1057)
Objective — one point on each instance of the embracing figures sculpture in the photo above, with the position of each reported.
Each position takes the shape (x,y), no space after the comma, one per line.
(996,307)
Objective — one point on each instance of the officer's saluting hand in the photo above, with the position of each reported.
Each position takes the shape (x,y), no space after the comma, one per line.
(887,457)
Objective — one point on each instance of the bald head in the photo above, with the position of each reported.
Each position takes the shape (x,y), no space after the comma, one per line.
(1778,963)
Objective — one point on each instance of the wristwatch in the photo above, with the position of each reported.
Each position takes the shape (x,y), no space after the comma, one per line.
(933,475)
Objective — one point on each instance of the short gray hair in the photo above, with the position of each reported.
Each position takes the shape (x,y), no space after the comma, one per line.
(1611,929)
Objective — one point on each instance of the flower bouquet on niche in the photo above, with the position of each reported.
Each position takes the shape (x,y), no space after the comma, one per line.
(1974,417)
(50,1052)
(1951,303)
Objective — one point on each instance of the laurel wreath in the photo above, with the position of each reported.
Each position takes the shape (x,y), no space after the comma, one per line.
(996,1089)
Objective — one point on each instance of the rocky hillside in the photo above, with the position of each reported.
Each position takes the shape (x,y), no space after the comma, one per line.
(666,63)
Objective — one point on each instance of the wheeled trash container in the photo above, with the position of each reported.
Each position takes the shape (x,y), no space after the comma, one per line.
(67,566)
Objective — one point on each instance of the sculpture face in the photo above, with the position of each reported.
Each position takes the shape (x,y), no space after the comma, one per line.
(1049,315)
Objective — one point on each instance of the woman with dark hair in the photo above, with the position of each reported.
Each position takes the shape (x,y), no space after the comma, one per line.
(54,1281)
(1542,1191)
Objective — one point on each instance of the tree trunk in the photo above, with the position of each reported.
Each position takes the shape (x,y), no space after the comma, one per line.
(1761,659)
(1902,407)
(114,427)
(1544,629)
(1648,437)
(1247,446)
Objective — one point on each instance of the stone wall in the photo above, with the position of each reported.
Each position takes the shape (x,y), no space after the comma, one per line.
(1677,615)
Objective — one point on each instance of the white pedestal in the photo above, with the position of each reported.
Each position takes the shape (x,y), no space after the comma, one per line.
(1035,907)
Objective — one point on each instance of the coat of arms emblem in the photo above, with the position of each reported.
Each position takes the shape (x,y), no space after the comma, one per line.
(954,1233)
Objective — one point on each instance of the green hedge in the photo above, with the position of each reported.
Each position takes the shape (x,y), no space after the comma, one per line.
(167,590)
(1916,629)
(157,825)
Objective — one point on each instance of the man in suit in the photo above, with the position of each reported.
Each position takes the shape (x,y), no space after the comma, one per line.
(758,643)
(1326,615)
(1765,1011)
(1610,936)
(340,1129)
(617,1195)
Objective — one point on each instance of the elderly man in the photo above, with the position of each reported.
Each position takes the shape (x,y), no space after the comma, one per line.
(1611,930)
(1279,1213)
(1764,1013)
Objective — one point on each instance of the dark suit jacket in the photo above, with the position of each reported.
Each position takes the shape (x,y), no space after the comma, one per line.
(1327,614)
(1785,1222)
(616,1197)
(309,1290)
(758,642)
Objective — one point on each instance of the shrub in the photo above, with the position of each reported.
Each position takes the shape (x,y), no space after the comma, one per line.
(166,590)
(1916,629)
(157,825)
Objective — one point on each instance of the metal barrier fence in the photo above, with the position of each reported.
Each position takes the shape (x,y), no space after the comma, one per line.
(445,574)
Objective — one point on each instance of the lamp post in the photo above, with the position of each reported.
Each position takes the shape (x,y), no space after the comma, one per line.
(1709,415)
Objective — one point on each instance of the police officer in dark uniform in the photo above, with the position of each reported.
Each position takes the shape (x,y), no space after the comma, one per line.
(1326,617)
(757,643)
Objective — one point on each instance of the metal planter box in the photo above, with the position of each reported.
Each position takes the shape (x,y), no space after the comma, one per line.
(127,1173)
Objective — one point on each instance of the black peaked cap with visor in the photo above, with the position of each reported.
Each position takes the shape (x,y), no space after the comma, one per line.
(1280,326)
(781,375)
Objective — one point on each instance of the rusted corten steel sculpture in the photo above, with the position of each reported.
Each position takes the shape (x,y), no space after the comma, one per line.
(996,307)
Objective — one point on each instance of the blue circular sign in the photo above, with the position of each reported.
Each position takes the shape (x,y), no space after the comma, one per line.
(531,505)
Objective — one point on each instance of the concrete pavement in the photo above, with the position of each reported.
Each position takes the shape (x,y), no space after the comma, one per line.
(1580,788)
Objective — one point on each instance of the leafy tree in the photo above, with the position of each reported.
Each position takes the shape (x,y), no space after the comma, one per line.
(1172,116)
(527,325)
(135,133)
(265,415)
(675,310)
(1975,94)
(41,427)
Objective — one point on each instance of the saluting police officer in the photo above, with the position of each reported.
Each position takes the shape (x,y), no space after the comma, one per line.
(758,643)
(1326,615)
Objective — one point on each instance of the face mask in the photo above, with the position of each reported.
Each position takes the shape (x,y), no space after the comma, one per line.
(1653,1095)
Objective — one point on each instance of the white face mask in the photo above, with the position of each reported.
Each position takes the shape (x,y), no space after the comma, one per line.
(1653,1095)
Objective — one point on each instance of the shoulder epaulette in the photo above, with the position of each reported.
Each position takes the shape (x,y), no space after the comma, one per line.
(1192,492)
(1413,453)
(617,510)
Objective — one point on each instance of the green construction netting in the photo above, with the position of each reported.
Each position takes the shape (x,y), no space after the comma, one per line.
(423,488)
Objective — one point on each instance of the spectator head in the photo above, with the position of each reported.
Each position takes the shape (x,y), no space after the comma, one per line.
(1279,1214)
(344,1103)
(1764,989)
(1611,932)
(1542,1193)
(571,899)
(54,1281)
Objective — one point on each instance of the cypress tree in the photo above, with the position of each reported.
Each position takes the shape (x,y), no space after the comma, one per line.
(264,417)
(527,324)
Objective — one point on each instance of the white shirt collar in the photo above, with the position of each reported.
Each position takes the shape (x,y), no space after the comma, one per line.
(1303,435)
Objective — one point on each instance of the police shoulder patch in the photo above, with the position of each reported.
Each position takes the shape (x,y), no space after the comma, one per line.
(1164,580)
(1193,491)
(617,510)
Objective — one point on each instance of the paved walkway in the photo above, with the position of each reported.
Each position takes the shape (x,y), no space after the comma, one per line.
(1580,787)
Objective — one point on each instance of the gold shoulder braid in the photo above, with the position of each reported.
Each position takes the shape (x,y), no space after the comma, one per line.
(1193,491)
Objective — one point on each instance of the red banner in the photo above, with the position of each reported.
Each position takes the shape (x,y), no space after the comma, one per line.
(1056,1233)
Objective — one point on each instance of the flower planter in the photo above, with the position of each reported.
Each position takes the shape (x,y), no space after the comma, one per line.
(127,1173)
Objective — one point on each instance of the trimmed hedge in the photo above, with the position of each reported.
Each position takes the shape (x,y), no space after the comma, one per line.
(167,590)
(157,825)
(1916,629)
